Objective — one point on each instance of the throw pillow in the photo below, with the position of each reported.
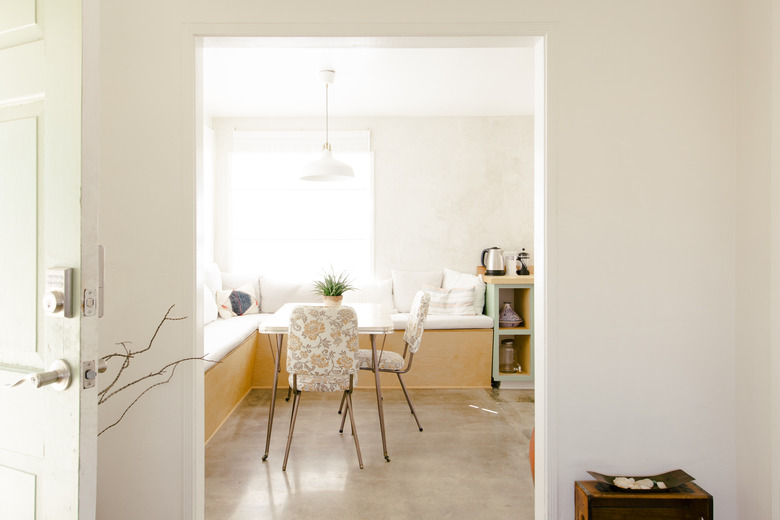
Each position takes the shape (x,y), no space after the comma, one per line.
(276,292)
(453,302)
(453,279)
(237,302)
(407,283)
(212,279)
(209,306)
(372,292)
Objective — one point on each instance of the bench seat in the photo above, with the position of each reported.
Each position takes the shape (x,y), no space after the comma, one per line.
(445,321)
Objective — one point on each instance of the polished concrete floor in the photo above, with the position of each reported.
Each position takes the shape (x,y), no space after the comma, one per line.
(470,462)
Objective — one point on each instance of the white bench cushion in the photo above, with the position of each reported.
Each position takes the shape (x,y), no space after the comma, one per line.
(223,335)
(444,321)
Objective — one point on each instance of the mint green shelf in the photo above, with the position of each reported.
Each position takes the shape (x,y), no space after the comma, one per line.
(521,295)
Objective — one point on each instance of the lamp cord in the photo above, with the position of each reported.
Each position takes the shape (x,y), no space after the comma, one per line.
(326,115)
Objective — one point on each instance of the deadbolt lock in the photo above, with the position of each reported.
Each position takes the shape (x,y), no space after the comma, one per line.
(58,299)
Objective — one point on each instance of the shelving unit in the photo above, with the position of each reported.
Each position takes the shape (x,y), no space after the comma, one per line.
(519,291)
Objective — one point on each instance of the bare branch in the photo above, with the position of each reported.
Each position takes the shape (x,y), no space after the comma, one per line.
(175,364)
(106,393)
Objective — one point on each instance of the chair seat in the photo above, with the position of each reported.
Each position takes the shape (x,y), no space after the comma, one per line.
(388,360)
(307,383)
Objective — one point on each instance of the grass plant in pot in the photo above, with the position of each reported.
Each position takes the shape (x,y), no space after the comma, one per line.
(332,287)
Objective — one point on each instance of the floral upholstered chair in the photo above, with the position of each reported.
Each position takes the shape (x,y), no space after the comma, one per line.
(322,356)
(395,363)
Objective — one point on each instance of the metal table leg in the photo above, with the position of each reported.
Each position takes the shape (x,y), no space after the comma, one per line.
(375,364)
(277,368)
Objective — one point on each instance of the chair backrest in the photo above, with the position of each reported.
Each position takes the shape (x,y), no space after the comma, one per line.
(323,341)
(416,323)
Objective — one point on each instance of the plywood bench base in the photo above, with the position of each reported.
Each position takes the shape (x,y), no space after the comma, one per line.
(452,358)
(225,384)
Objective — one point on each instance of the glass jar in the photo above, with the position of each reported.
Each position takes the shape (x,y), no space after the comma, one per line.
(506,356)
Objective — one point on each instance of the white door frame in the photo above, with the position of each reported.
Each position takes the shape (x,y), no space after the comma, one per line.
(545,227)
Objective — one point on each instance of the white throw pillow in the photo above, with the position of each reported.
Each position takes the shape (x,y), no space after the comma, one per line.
(237,302)
(407,283)
(455,279)
(209,306)
(453,302)
(275,293)
(212,279)
(372,292)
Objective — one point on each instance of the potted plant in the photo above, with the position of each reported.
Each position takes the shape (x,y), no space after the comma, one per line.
(332,287)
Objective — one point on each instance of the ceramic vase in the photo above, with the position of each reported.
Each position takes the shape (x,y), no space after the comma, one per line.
(508,317)
(332,300)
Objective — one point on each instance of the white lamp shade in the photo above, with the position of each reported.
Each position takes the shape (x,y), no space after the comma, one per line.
(326,168)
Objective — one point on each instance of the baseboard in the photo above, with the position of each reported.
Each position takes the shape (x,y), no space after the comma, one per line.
(517,385)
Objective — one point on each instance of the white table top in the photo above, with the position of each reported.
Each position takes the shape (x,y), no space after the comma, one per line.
(373,318)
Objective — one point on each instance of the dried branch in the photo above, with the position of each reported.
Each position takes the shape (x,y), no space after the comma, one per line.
(174,364)
(129,354)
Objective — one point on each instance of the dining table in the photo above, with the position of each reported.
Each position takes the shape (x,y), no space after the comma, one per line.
(373,320)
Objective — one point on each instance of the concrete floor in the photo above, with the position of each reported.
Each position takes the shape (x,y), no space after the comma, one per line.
(471,460)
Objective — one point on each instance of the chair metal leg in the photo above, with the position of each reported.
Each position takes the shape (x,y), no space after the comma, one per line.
(378,384)
(289,391)
(343,416)
(354,430)
(409,400)
(341,406)
(296,402)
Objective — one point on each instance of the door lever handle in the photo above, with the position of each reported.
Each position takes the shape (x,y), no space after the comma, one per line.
(58,376)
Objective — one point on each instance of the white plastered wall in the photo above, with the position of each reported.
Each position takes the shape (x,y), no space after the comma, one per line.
(445,187)
(642,316)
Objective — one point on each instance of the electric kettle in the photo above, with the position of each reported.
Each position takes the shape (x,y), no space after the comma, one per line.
(493,261)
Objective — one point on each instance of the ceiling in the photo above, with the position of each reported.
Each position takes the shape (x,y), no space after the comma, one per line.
(254,78)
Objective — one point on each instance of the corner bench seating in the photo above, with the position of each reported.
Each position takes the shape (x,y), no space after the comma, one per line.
(456,350)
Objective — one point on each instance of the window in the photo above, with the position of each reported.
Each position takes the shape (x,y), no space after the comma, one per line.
(293,228)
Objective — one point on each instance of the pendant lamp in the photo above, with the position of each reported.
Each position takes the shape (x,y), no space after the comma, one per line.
(326,168)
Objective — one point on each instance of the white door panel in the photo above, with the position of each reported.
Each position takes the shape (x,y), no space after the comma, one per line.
(16,13)
(25,436)
(29,75)
(19,489)
(43,443)
(19,208)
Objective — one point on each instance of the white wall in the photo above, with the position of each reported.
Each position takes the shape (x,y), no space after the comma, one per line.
(753,354)
(644,367)
(445,188)
(643,265)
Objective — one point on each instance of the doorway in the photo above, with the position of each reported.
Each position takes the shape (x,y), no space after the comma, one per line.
(210,225)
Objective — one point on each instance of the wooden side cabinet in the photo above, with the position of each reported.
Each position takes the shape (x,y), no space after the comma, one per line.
(519,292)
(598,501)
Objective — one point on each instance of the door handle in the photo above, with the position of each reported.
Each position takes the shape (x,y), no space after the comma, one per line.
(58,377)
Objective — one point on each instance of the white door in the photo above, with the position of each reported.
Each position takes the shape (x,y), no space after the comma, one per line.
(47,437)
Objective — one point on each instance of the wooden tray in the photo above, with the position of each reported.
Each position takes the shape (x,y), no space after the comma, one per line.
(670,478)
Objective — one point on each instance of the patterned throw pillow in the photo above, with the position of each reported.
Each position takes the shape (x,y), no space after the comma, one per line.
(237,302)
(455,302)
